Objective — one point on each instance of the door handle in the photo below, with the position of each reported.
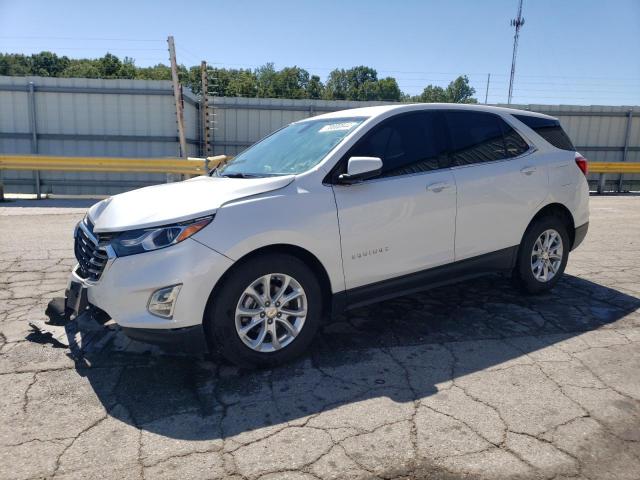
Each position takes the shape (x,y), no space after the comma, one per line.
(438,187)
(527,170)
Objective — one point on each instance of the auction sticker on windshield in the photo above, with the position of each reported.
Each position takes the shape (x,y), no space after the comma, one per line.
(334,127)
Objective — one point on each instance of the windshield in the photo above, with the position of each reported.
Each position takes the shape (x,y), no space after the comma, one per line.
(293,149)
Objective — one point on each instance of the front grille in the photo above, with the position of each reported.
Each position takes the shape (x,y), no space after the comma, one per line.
(91,257)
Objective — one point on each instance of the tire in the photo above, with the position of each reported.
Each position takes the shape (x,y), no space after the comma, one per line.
(528,274)
(223,320)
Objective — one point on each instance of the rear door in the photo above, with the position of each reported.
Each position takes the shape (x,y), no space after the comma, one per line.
(500,184)
(404,220)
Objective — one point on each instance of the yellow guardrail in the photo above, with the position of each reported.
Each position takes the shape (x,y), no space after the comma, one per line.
(614,167)
(190,166)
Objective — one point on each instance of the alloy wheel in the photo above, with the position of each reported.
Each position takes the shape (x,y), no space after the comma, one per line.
(271,312)
(546,256)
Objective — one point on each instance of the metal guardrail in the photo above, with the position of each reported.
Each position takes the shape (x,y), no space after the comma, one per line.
(604,168)
(195,166)
(190,166)
(614,167)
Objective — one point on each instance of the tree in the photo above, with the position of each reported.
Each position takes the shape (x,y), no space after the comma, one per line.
(109,66)
(291,82)
(157,72)
(242,83)
(337,85)
(127,68)
(48,64)
(360,83)
(433,94)
(315,88)
(266,81)
(458,91)
(82,69)
(14,64)
(356,83)
(389,90)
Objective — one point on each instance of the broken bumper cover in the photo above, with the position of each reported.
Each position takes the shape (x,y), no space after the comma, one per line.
(124,289)
(187,340)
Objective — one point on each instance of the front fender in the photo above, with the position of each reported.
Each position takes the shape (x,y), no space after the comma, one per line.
(295,216)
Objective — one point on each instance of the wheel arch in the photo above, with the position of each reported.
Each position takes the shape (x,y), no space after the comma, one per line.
(560,211)
(282,248)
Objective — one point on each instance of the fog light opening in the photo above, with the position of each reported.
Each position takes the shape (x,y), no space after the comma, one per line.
(163,301)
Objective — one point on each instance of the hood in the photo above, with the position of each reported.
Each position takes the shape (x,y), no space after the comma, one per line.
(176,202)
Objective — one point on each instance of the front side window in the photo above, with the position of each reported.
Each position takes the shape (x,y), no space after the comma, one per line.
(476,137)
(406,144)
(293,149)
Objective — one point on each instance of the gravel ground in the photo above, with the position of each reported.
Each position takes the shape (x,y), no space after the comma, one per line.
(467,381)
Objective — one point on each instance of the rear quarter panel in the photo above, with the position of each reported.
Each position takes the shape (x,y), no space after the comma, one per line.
(569,187)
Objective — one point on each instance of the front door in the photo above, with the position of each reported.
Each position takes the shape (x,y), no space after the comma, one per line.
(404,220)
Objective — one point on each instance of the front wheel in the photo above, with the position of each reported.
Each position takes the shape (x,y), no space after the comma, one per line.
(542,256)
(266,312)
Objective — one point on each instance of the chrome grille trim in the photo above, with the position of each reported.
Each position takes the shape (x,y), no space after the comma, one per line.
(91,255)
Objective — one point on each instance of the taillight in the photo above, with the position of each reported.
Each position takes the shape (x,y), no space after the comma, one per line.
(582,163)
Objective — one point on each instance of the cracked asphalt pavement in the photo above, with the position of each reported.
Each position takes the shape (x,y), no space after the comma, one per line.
(467,381)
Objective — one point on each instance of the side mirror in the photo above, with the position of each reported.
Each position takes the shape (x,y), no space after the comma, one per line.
(360,168)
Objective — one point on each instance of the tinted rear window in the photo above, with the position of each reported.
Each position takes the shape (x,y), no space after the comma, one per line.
(548,129)
(476,136)
(513,142)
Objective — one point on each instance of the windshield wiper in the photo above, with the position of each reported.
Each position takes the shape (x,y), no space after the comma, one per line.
(238,175)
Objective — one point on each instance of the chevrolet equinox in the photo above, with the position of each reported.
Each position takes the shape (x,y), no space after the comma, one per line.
(330,213)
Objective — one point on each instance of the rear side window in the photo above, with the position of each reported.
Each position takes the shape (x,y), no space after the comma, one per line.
(411,143)
(513,142)
(476,137)
(549,129)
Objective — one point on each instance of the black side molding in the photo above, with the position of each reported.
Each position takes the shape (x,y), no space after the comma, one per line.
(500,260)
(581,232)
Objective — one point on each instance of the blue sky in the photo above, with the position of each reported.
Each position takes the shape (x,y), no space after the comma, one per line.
(571,51)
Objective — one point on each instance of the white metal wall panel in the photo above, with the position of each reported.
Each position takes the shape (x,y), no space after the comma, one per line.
(598,131)
(81,113)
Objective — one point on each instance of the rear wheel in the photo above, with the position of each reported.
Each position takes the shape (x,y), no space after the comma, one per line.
(266,312)
(542,256)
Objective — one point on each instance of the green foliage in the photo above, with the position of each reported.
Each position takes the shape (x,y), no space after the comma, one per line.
(157,72)
(361,83)
(388,89)
(356,83)
(315,88)
(458,91)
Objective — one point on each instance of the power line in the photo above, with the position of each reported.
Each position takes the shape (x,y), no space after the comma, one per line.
(83,38)
(135,49)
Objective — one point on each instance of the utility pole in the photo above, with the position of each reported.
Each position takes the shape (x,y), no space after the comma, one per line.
(177,95)
(204,109)
(517,22)
(486,94)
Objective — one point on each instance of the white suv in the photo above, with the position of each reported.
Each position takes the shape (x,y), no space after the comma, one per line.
(331,213)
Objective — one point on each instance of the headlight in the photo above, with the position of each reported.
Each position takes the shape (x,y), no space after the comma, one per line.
(146,239)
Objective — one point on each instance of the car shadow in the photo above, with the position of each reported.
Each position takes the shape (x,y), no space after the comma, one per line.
(403,349)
